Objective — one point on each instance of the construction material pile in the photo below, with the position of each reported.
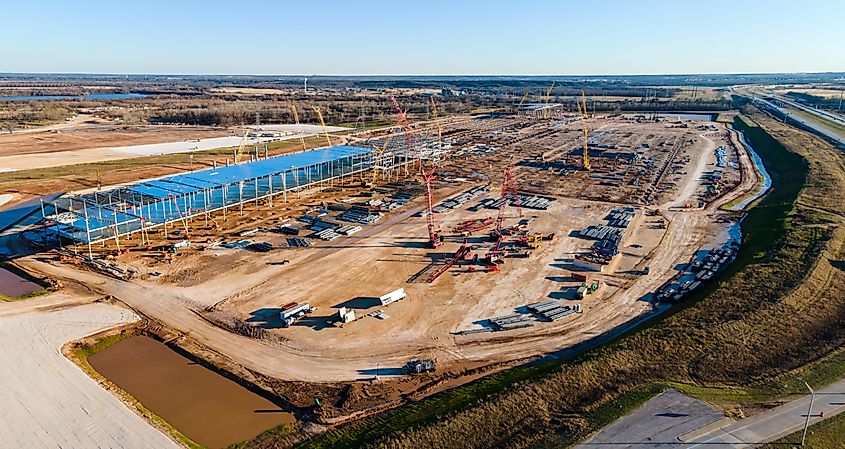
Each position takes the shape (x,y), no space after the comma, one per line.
(553,310)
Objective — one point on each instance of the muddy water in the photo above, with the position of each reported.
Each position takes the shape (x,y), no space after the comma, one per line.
(205,406)
(13,285)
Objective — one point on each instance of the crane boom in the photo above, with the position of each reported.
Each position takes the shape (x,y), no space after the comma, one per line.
(241,147)
(437,124)
(299,128)
(323,124)
(582,109)
(434,239)
(548,98)
(379,153)
(521,100)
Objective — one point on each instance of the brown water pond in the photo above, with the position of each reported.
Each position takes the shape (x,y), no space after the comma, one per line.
(13,285)
(205,406)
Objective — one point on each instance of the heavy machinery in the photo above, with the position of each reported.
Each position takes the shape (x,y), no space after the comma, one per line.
(323,124)
(434,237)
(460,254)
(427,175)
(509,196)
(296,118)
(419,366)
(379,153)
(582,110)
(521,100)
(437,125)
(240,149)
(548,98)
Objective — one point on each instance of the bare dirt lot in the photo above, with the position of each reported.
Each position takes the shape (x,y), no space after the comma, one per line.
(92,134)
(198,289)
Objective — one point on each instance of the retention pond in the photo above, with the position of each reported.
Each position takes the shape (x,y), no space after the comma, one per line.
(203,405)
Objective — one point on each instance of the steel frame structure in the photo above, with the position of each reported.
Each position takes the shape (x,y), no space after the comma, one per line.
(101,216)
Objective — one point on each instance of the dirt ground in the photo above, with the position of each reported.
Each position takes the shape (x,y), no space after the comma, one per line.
(200,287)
(93,133)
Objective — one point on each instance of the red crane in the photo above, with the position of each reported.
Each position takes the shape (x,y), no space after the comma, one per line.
(434,238)
(403,123)
(509,196)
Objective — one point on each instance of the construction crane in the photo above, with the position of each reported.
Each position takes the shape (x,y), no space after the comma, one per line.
(241,147)
(298,127)
(402,119)
(323,124)
(437,125)
(509,196)
(521,100)
(582,109)
(181,217)
(459,255)
(427,176)
(548,98)
(379,153)
(434,237)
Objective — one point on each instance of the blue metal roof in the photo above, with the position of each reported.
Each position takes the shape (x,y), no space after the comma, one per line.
(215,177)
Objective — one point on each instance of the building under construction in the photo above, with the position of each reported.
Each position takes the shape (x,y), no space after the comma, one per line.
(111,214)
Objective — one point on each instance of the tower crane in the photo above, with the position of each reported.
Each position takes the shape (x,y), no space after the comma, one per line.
(323,124)
(582,109)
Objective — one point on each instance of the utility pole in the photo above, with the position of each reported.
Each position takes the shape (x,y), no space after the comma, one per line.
(809,410)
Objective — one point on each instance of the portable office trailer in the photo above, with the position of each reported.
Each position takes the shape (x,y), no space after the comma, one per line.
(395,295)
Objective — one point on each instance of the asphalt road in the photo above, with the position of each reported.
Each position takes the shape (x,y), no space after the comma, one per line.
(810,124)
(671,420)
(775,423)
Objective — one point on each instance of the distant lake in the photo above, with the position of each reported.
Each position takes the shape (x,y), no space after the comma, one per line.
(72,97)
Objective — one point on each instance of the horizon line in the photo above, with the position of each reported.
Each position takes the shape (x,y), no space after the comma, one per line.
(535,75)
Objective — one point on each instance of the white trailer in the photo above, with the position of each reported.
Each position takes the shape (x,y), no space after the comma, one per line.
(395,295)
(290,316)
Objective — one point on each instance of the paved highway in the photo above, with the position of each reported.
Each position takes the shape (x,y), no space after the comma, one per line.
(672,420)
(808,123)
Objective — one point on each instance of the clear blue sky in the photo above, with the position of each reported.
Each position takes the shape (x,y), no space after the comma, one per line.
(423,37)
